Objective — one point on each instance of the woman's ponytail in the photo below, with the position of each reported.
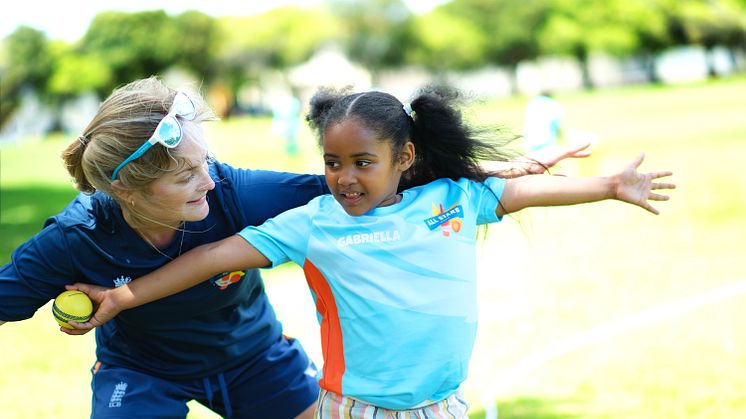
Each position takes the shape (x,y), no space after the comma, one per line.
(73,158)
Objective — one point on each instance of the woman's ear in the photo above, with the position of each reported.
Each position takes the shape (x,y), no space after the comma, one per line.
(120,192)
(406,156)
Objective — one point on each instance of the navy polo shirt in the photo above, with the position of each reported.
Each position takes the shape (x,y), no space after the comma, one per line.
(206,329)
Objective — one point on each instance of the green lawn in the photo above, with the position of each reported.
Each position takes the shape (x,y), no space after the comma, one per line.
(547,276)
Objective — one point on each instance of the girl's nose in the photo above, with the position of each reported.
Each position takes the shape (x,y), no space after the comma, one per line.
(346,177)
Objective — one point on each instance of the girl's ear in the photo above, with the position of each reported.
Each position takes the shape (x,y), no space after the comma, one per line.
(406,156)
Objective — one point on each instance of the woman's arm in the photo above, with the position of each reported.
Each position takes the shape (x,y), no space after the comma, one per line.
(629,186)
(230,254)
(539,161)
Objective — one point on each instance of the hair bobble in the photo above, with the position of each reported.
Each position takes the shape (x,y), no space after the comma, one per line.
(408,109)
(83,140)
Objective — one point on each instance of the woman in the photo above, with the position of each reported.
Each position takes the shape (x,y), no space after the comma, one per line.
(150,193)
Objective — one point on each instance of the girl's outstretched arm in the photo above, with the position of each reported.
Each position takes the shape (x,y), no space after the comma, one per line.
(230,254)
(629,186)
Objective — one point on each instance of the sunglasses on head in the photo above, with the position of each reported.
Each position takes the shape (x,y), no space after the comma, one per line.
(169,131)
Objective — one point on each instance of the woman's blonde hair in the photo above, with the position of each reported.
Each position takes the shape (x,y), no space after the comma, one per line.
(125,120)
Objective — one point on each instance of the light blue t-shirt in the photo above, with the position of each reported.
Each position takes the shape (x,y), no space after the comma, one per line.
(395,289)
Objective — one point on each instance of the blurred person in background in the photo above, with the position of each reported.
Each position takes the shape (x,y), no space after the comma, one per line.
(543,122)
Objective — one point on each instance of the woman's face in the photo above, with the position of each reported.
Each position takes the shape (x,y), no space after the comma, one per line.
(180,194)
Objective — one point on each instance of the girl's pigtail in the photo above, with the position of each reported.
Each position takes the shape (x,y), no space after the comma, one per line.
(448,147)
(320,105)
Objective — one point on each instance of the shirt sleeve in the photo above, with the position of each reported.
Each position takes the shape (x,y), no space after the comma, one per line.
(37,273)
(261,194)
(487,198)
(285,237)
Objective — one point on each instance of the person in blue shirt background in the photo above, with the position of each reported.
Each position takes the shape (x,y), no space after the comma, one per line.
(542,125)
(150,192)
(390,253)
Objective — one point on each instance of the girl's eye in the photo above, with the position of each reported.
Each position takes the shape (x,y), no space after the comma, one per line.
(364,163)
(332,164)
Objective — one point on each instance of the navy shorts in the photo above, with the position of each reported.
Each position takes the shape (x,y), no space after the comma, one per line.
(279,383)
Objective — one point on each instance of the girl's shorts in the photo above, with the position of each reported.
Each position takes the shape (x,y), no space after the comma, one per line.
(334,406)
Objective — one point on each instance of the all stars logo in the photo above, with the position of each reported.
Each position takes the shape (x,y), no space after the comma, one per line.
(449,220)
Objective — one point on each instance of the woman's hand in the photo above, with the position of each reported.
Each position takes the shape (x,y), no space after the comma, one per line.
(537,162)
(636,188)
(540,160)
(105,307)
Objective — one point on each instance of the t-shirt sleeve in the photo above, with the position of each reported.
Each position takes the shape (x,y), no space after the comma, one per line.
(37,273)
(283,238)
(262,194)
(486,198)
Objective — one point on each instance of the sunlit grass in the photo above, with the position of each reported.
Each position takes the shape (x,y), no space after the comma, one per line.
(546,275)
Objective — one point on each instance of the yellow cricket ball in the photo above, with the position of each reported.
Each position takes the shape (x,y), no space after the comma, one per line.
(72,306)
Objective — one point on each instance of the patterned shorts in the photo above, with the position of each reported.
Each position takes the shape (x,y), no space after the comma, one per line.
(333,406)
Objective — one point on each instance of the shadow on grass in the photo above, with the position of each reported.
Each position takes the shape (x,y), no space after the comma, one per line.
(23,210)
(529,407)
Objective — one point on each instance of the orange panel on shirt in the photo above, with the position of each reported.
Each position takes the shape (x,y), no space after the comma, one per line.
(331,331)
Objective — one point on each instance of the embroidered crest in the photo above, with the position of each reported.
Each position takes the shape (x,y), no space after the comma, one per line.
(228,279)
(121,280)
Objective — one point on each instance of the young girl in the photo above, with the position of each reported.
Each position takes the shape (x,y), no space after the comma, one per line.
(392,271)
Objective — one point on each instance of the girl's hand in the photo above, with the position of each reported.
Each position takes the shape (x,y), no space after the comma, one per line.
(636,188)
(104,305)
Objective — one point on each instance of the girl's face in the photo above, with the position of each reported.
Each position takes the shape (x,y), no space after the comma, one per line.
(180,195)
(360,168)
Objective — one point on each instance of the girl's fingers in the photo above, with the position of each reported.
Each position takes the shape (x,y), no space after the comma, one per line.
(656,175)
(659,185)
(650,208)
(638,160)
(658,197)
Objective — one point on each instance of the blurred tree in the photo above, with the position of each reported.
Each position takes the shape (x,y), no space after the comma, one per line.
(134,45)
(712,23)
(196,46)
(650,25)
(580,27)
(508,26)
(375,32)
(28,65)
(442,41)
(75,74)
(278,39)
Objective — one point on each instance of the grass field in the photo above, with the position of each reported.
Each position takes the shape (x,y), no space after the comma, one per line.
(547,276)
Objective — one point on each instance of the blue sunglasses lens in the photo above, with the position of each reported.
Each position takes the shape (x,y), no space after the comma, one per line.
(183,106)
(169,132)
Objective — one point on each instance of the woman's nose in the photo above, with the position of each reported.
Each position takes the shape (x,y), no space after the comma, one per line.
(207,182)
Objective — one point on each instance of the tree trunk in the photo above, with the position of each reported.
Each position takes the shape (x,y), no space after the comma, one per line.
(648,59)
(711,71)
(513,79)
